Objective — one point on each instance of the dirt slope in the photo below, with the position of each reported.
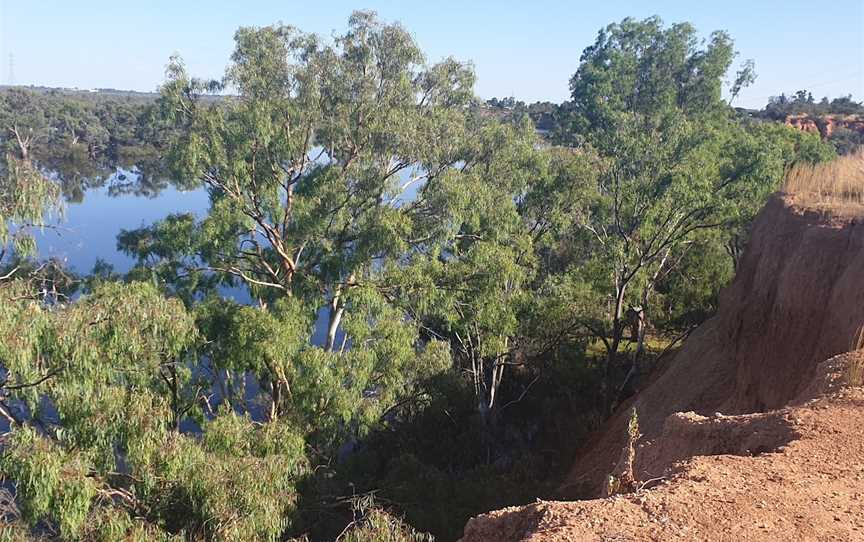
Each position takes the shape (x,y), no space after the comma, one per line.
(789,470)
(797,300)
(811,489)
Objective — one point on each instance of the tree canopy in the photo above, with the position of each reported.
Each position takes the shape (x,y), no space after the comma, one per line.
(422,290)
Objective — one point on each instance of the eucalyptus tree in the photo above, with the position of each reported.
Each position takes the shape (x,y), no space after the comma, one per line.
(469,286)
(26,195)
(306,161)
(92,394)
(75,122)
(24,121)
(331,166)
(674,161)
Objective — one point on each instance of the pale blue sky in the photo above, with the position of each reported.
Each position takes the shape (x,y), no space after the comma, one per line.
(520,48)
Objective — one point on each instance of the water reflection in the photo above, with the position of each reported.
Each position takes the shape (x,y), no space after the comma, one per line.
(104,199)
(76,174)
(101,200)
(101,205)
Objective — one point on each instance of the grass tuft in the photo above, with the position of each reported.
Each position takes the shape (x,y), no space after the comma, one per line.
(855,370)
(855,373)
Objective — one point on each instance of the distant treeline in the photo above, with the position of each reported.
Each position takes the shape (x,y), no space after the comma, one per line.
(552,120)
(53,123)
(83,137)
(802,103)
(116,124)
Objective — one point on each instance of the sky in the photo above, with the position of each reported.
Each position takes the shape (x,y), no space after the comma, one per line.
(519,48)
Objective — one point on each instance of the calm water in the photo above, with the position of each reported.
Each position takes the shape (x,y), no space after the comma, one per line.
(88,229)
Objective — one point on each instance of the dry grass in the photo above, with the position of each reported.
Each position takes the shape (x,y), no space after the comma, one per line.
(837,186)
(858,341)
(855,370)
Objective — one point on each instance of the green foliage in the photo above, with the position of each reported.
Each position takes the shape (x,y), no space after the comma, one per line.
(23,121)
(81,138)
(50,482)
(745,77)
(55,123)
(467,289)
(641,71)
(112,366)
(26,196)
(467,277)
(802,103)
(674,165)
(66,134)
(246,339)
(846,141)
(332,396)
(435,468)
(209,490)
(309,168)
(547,117)
(305,163)
(690,295)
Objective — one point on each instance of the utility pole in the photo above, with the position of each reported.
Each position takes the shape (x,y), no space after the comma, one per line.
(11,69)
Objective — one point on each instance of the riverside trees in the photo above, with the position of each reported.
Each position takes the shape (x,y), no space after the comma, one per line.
(93,392)
(348,177)
(26,195)
(351,175)
(674,164)
(450,257)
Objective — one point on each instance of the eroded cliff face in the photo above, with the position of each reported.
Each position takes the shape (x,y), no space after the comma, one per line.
(735,388)
(825,125)
(797,300)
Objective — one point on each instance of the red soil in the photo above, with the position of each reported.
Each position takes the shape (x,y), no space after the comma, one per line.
(785,460)
(826,124)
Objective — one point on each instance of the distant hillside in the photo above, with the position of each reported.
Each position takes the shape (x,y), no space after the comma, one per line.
(100,92)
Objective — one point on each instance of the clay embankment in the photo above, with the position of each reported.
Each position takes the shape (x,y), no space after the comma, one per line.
(785,459)
(825,125)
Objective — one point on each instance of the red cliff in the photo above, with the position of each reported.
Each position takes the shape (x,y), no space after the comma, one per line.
(825,125)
